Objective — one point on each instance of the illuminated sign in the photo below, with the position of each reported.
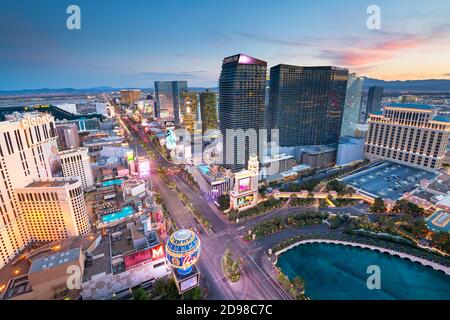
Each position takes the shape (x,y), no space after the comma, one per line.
(231,59)
(130,156)
(185,261)
(244,184)
(188,283)
(32,121)
(169,123)
(143,168)
(245,200)
(143,257)
(171,141)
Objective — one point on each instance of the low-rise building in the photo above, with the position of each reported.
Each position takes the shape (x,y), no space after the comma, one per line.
(213,180)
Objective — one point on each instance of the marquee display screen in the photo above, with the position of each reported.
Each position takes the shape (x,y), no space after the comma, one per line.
(244,184)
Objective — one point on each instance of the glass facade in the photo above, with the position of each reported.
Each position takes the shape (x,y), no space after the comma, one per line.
(188,110)
(167,94)
(208,110)
(242,90)
(306,104)
(352,105)
(374,99)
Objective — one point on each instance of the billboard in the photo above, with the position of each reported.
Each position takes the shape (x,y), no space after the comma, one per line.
(143,168)
(130,156)
(244,184)
(188,283)
(245,200)
(171,142)
(143,257)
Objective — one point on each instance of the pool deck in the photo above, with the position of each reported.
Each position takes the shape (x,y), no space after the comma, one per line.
(402,255)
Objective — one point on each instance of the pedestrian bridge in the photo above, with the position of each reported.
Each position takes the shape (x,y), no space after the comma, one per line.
(305,194)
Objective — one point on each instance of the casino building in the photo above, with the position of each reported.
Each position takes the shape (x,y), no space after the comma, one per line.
(409,134)
(245,191)
(28,153)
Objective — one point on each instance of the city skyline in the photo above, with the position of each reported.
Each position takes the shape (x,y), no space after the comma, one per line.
(139,48)
(224,151)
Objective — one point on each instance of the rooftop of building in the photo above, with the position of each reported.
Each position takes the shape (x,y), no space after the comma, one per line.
(388,180)
(214,173)
(122,239)
(281,65)
(98,261)
(243,59)
(73,150)
(442,184)
(55,260)
(276,157)
(315,150)
(52,183)
(410,106)
(14,276)
(441,119)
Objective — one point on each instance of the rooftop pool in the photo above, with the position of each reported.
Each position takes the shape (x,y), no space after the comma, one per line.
(116,216)
(337,272)
(112,182)
(439,221)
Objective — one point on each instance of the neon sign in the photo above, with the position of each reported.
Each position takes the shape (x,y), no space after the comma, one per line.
(26,122)
(143,257)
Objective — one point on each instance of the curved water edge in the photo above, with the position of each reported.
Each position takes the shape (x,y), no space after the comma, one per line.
(410,257)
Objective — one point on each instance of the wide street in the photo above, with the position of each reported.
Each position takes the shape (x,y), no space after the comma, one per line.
(257,280)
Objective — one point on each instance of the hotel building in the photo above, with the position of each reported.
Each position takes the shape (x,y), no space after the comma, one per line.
(244,194)
(54,209)
(374,99)
(352,105)
(68,137)
(167,95)
(306,104)
(130,96)
(28,150)
(242,93)
(410,134)
(76,163)
(208,110)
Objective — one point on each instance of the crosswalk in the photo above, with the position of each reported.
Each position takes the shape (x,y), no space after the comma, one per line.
(223,234)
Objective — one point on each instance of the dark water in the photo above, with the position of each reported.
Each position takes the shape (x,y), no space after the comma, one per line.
(340,272)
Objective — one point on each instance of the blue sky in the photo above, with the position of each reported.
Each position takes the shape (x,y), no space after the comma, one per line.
(132,43)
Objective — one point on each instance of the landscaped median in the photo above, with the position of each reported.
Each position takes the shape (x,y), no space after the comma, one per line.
(260,209)
(271,226)
(230,266)
(296,287)
(197,214)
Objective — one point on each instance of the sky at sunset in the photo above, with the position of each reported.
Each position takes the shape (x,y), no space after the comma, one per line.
(133,43)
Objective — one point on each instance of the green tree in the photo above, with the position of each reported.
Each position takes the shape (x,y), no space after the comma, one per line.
(140,294)
(224,202)
(193,294)
(378,205)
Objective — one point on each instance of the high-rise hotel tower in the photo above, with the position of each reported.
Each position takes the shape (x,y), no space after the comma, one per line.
(242,92)
(306,104)
(27,148)
(411,134)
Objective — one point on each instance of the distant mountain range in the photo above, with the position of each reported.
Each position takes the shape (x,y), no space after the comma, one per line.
(47,91)
(397,85)
(410,85)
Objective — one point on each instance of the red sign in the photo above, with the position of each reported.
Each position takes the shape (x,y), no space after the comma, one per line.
(143,257)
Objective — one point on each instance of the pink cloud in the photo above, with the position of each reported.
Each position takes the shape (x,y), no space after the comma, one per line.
(388,48)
